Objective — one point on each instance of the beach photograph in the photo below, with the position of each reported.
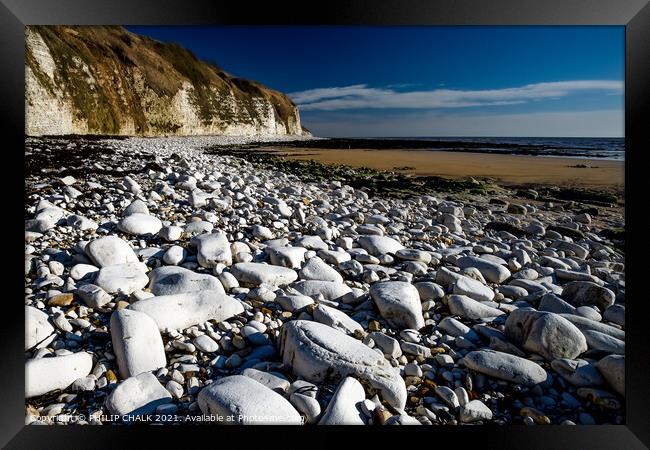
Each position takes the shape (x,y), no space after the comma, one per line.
(324,225)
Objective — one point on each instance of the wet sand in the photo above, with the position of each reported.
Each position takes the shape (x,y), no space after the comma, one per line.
(506,169)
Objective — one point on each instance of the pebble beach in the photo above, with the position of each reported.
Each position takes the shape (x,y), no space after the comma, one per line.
(168,284)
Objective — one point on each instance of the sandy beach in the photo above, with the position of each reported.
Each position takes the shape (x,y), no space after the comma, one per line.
(507,169)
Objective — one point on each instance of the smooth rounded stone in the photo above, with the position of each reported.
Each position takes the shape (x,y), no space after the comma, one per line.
(84,384)
(46,219)
(578,372)
(228,280)
(603,342)
(448,396)
(61,322)
(474,411)
(139,224)
(294,302)
(180,311)
(319,353)
(379,245)
(256,274)
(206,344)
(311,243)
(411,254)
(197,227)
(388,345)
(613,369)
(588,312)
(468,308)
(136,207)
(552,303)
(261,232)
(615,314)
(334,257)
(545,333)
(174,255)
(212,249)
(572,275)
(429,290)
(291,257)
(170,233)
(80,271)
(109,251)
(37,327)
(174,388)
(345,406)
(317,269)
(473,289)
(587,324)
(530,285)
(456,328)
(505,367)
(513,292)
(137,344)
(81,223)
(330,290)
(270,380)
(494,273)
(307,406)
(93,296)
(170,280)
(47,374)
(122,278)
(247,401)
(587,293)
(399,303)
(336,319)
(402,419)
(137,395)
(578,250)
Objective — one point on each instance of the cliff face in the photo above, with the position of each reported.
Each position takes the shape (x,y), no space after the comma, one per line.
(106,80)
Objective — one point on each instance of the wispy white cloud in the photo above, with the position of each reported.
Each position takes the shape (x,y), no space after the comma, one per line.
(363,96)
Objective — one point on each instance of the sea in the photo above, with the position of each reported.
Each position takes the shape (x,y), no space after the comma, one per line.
(575,147)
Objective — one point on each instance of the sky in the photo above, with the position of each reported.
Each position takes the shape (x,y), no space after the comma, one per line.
(428,81)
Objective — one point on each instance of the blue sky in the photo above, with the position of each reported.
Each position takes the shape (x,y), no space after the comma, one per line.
(429,81)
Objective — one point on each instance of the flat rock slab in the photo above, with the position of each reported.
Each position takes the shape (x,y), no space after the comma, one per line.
(319,353)
(506,367)
(180,311)
(256,274)
(47,374)
(170,280)
(344,407)
(110,250)
(122,278)
(37,327)
(212,249)
(138,395)
(247,401)
(137,343)
(399,303)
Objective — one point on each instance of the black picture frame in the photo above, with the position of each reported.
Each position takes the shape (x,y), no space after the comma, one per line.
(633,14)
